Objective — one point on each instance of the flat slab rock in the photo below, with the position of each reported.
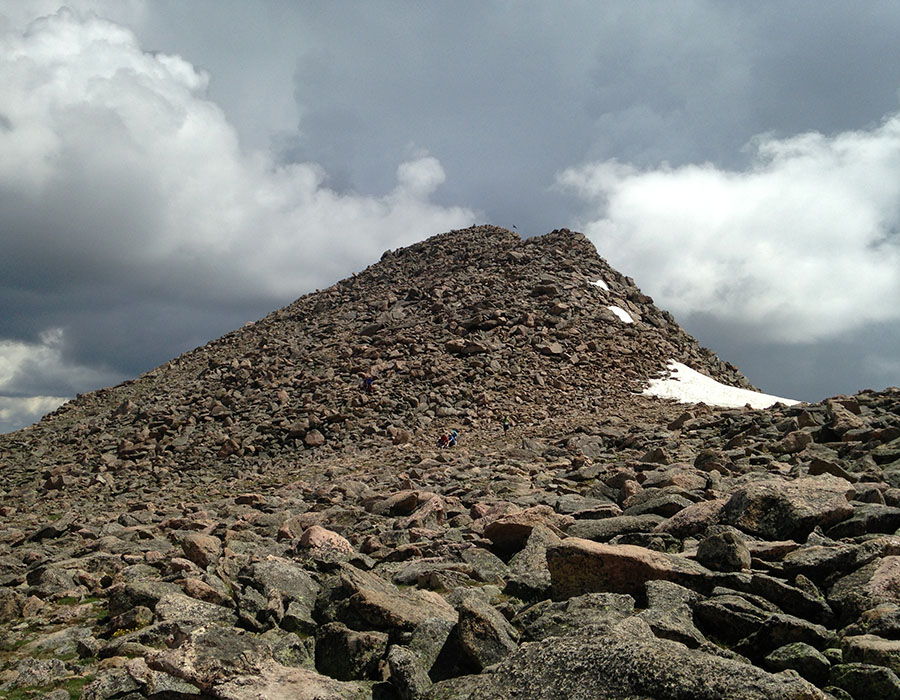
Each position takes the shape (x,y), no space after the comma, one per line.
(789,510)
(383,605)
(276,682)
(626,661)
(580,566)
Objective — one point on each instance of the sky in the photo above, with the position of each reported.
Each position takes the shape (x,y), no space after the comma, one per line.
(170,170)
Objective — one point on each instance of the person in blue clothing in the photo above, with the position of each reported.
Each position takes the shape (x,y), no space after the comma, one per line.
(453,438)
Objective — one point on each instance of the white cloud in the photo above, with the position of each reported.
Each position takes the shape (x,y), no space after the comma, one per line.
(39,366)
(15,412)
(24,365)
(121,183)
(127,158)
(801,246)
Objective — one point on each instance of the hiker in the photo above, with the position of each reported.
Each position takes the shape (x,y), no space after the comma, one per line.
(444,441)
(505,424)
(453,436)
(367,385)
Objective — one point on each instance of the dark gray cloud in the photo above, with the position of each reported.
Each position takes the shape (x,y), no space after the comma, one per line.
(169,170)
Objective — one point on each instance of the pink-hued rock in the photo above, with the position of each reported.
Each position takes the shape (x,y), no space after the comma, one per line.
(875,583)
(510,532)
(580,566)
(430,514)
(317,537)
(276,682)
(314,438)
(202,549)
(841,418)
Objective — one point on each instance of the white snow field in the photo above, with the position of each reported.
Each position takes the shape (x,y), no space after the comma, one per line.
(601,284)
(686,385)
(623,315)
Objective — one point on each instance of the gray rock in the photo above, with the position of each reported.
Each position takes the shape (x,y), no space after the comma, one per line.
(872,649)
(629,662)
(428,639)
(581,566)
(777,509)
(485,637)
(866,681)
(817,562)
(371,602)
(273,681)
(114,683)
(410,680)
(806,660)
(347,654)
(867,519)
(664,504)
(553,619)
(883,620)
(529,577)
(124,597)
(175,606)
(486,566)
(211,654)
(607,528)
(36,672)
(729,617)
(670,615)
(724,551)
(778,630)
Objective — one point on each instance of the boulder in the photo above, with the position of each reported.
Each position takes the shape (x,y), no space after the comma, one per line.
(628,662)
(776,509)
(347,654)
(724,551)
(325,541)
(377,604)
(872,649)
(202,550)
(581,566)
(529,577)
(509,533)
(273,681)
(561,618)
(806,660)
(607,528)
(485,636)
(409,679)
(875,583)
(866,681)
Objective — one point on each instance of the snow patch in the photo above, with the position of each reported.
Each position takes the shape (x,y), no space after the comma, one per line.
(686,385)
(601,284)
(623,315)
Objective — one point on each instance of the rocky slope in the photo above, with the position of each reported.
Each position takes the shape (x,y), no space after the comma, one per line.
(246,521)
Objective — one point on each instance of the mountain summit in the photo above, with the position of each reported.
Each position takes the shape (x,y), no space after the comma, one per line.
(464,329)
(272,516)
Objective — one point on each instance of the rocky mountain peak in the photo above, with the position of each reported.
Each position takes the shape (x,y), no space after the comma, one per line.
(464,328)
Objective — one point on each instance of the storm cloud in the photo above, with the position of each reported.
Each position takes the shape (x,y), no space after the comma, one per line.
(171,170)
